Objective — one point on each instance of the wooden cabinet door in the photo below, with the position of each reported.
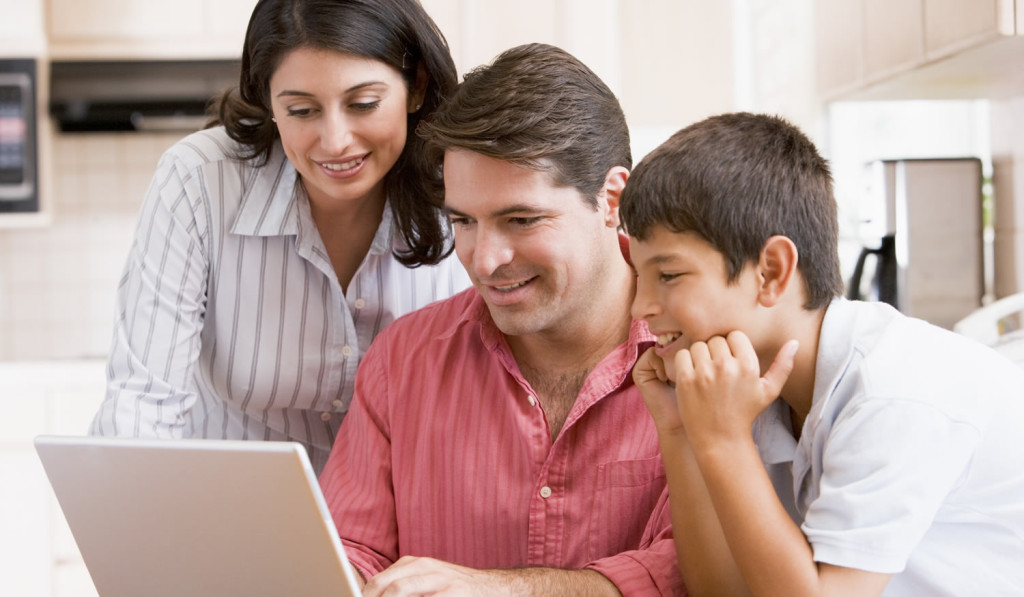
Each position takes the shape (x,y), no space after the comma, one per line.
(99,20)
(893,37)
(839,40)
(133,29)
(952,25)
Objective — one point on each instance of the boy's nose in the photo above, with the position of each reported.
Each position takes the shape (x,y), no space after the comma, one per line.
(643,307)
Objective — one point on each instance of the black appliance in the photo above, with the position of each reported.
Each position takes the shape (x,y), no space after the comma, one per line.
(19,179)
(151,95)
(881,279)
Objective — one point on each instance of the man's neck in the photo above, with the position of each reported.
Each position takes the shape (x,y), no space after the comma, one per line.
(557,364)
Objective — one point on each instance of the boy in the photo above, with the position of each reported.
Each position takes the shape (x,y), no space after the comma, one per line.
(894,445)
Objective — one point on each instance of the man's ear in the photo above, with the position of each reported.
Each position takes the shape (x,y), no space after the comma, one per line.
(614,182)
(777,273)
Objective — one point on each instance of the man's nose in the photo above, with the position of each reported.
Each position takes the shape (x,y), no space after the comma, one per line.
(491,251)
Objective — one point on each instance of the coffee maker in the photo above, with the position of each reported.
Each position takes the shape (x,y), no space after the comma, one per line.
(923,238)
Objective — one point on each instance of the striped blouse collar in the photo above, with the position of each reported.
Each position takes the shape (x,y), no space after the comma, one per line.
(275,204)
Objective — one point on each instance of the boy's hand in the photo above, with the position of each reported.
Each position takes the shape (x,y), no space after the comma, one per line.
(652,380)
(720,389)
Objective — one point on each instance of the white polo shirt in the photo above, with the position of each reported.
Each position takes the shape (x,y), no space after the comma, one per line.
(911,461)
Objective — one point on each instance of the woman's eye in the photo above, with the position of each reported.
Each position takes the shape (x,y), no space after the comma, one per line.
(299,112)
(366,106)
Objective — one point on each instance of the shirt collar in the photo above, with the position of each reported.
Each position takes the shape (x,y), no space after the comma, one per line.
(476,313)
(773,434)
(268,207)
(276,204)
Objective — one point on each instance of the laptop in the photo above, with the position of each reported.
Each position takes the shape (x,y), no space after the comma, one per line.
(197,518)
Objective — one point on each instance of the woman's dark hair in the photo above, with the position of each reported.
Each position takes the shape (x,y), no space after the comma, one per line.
(398,33)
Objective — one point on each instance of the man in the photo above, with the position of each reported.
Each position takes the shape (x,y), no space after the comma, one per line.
(496,439)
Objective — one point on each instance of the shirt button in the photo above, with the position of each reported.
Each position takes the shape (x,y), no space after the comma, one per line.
(360,303)
(545,492)
(531,400)
(338,404)
(346,351)
(325,417)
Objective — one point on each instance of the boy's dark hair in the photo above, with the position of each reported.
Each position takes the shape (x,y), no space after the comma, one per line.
(398,33)
(736,180)
(538,107)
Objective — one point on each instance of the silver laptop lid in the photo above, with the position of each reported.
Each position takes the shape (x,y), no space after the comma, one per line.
(197,518)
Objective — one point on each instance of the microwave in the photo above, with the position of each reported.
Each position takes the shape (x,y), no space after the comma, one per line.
(18,152)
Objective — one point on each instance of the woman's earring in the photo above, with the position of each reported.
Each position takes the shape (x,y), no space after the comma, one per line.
(274,120)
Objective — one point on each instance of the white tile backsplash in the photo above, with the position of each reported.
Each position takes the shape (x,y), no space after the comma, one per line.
(57,283)
(38,555)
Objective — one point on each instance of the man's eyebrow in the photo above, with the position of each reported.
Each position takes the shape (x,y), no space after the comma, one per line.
(512,209)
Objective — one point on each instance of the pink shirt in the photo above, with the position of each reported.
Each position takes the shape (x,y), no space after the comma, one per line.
(446,453)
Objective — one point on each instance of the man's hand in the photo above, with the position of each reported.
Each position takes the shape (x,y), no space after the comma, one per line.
(411,576)
(426,576)
(720,389)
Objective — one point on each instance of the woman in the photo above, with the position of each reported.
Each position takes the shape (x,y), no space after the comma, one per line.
(272,249)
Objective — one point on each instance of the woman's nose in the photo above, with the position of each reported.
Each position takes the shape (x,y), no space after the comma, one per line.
(335,134)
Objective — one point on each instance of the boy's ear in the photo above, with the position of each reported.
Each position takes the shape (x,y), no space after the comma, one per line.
(614,182)
(777,269)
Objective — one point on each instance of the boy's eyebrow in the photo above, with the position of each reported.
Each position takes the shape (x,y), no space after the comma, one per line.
(661,259)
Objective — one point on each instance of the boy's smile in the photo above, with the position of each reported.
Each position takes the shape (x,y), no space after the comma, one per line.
(683,292)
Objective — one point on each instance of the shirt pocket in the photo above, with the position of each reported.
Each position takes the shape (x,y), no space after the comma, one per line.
(627,493)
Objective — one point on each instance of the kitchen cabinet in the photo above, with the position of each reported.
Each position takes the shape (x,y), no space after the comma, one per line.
(21,28)
(839,37)
(893,36)
(918,49)
(129,29)
(952,25)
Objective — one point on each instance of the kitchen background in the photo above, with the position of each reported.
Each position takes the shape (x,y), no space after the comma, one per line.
(867,79)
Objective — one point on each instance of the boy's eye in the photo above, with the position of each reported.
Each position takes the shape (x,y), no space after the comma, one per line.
(665,277)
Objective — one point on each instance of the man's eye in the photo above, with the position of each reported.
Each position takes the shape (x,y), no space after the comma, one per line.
(525,221)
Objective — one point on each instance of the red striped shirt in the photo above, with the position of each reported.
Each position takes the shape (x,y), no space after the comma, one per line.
(446,453)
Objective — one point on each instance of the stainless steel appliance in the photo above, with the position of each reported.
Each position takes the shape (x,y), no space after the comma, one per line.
(18,154)
(924,248)
(153,95)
